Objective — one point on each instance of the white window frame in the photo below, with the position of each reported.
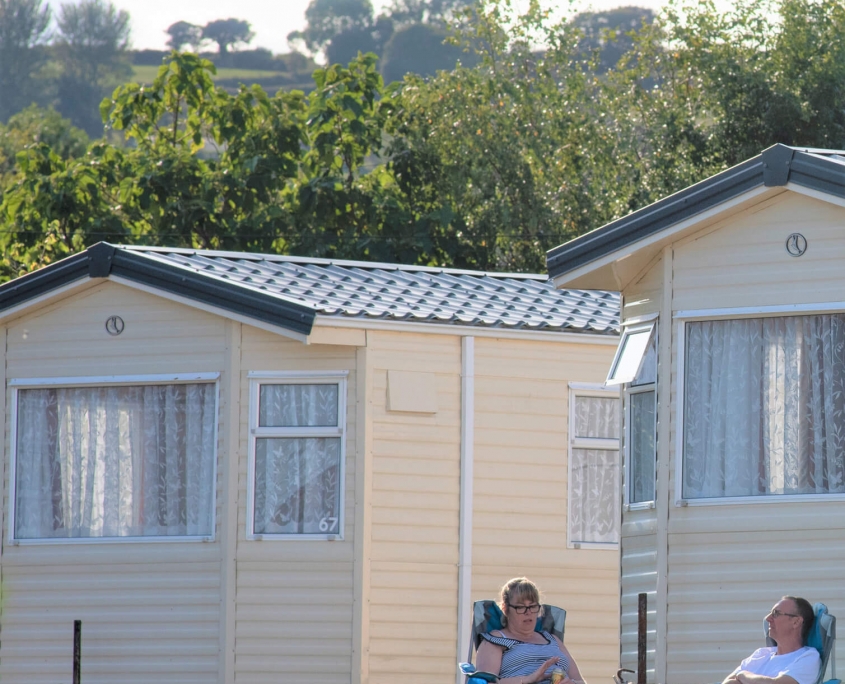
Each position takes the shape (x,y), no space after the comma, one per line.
(687,316)
(626,487)
(17,384)
(583,389)
(258,378)
(640,325)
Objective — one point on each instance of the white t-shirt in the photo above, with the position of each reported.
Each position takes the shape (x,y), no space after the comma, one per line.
(802,665)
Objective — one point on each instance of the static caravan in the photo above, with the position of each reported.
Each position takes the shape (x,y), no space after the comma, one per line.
(732,364)
(247,468)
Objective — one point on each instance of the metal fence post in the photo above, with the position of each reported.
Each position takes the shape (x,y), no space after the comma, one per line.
(77,651)
(642,641)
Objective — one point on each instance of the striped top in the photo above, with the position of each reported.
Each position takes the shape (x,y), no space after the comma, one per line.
(521,659)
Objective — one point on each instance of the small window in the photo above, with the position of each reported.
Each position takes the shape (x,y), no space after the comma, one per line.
(296,457)
(594,482)
(99,461)
(641,426)
(631,353)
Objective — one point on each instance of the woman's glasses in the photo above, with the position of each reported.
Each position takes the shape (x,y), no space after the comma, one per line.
(521,610)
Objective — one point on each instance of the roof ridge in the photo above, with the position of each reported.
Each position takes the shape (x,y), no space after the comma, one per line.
(343,263)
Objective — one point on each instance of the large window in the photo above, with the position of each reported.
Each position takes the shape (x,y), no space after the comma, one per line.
(297,455)
(764,407)
(109,460)
(594,466)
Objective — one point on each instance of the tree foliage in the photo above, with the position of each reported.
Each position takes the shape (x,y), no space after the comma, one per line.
(23,36)
(483,167)
(227,33)
(326,19)
(33,126)
(93,37)
(184,34)
(427,11)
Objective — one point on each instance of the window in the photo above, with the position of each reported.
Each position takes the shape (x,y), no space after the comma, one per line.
(96,460)
(635,365)
(593,467)
(641,426)
(297,455)
(764,407)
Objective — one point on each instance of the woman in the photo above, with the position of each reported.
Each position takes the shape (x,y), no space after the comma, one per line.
(517,653)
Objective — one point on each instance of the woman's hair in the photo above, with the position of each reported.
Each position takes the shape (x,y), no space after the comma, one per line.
(515,592)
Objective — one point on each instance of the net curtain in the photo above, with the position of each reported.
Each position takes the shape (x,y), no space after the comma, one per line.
(297,487)
(115,461)
(764,407)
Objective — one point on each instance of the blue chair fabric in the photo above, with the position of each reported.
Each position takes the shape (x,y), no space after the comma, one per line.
(487,617)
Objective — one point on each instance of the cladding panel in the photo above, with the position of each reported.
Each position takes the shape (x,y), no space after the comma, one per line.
(520,508)
(742,261)
(727,564)
(149,610)
(712,573)
(295,597)
(415,502)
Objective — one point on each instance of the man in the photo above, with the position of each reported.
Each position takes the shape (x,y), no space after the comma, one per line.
(790,662)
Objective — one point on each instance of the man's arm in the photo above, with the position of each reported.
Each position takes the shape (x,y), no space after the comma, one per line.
(731,678)
(744,677)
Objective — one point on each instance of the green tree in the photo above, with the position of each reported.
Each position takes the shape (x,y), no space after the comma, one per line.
(158,189)
(23,53)
(428,11)
(227,33)
(182,34)
(33,126)
(609,34)
(326,19)
(340,29)
(341,205)
(511,154)
(422,49)
(92,43)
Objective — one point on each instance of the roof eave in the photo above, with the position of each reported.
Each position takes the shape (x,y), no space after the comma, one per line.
(103,260)
(775,167)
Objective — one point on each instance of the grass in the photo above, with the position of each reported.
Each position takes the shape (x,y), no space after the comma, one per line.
(146,74)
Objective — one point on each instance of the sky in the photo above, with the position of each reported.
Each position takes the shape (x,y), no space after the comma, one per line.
(271,20)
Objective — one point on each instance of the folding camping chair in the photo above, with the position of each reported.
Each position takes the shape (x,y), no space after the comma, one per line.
(822,637)
(487,617)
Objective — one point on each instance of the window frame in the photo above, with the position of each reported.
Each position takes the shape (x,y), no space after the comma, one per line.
(17,384)
(681,318)
(634,327)
(582,389)
(258,378)
(629,390)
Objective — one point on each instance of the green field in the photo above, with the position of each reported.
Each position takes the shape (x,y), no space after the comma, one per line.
(146,74)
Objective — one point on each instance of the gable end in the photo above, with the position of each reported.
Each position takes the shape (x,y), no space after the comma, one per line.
(779,165)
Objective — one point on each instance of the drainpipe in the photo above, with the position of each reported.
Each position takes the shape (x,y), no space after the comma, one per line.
(465,522)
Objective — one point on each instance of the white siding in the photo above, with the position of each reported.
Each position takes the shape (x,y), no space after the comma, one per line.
(742,261)
(727,565)
(149,611)
(638,564)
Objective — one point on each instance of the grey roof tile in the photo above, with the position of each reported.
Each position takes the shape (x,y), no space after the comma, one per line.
(390,292)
